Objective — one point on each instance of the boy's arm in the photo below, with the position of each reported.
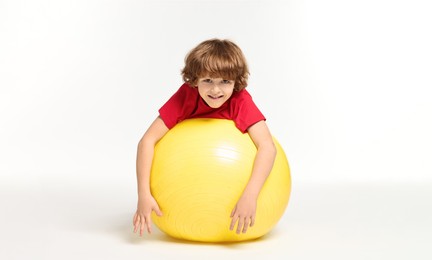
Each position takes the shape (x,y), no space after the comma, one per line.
(244,211)
(146,202)
(145,154)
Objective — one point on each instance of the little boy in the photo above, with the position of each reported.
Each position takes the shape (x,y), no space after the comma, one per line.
(215,76)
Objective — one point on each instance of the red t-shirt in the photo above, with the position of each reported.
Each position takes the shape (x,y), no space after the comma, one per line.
(187,103)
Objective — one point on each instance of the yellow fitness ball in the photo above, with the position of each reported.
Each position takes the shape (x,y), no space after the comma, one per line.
(200,168)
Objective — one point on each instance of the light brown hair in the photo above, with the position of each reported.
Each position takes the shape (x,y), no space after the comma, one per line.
(216,58)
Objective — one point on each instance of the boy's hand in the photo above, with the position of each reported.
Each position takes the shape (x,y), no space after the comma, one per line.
(244,213)
(142,217)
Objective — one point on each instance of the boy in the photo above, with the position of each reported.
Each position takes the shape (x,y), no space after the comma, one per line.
(215,76)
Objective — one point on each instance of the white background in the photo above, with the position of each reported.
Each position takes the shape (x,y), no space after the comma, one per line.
(345,86)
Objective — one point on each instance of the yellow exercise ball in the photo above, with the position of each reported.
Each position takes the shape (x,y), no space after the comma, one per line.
(200,168)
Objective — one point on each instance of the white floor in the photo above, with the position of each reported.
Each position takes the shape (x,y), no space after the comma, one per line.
(321,222)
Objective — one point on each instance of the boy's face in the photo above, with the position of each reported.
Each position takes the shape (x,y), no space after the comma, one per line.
(215,91)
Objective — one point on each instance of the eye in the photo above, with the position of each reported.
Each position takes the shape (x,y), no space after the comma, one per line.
(207,80)
(225,81)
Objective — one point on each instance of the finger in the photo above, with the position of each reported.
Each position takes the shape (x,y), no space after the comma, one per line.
(240,225)
(233,222)
(134,218)
(158,211)
(246,225)
(136,222)
(252,220)
(142,225)
(233,211)
(148,224)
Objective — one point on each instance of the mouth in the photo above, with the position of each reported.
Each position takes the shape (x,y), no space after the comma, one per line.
(215,97)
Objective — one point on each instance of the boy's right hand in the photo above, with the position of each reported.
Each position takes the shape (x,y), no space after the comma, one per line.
(142,217)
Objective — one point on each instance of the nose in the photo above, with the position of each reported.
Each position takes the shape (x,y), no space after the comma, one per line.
(215,88)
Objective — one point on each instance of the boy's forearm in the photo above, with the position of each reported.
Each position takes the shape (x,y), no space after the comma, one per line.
(262,167)
(144,159)
(145,154)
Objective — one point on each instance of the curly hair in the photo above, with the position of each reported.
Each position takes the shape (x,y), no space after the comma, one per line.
(216,58)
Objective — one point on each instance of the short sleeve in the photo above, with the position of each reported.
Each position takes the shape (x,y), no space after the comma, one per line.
(245,112)
(179,106)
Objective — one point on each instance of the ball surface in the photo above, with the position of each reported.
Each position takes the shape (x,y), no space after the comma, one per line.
(200,168)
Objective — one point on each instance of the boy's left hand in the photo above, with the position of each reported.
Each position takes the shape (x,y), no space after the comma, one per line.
(244,213)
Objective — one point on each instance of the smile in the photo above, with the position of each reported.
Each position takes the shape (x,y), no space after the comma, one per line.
(213,97)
